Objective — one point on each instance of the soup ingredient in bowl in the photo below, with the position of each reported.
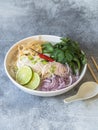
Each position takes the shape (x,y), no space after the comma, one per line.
(27,77)
(35,81)
(24,75)
(45,57)
(66,51)
(55,83)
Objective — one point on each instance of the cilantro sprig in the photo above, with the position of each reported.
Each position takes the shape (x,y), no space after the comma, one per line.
(66,51)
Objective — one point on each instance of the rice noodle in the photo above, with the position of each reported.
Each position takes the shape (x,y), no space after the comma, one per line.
(44,70)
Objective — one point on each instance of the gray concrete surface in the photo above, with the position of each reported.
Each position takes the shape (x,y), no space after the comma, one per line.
(77,19)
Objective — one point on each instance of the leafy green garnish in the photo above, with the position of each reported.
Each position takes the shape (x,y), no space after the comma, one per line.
(47,48)
(66,51)
(44,62)
(52,69)
(30,57)
(58,55)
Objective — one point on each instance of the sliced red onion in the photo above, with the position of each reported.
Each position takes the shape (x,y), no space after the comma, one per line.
(68,68)
(74,78)
(55,83)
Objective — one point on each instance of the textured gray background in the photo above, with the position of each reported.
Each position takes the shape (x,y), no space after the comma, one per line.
(77,19)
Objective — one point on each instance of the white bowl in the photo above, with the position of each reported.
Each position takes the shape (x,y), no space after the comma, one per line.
(11,54)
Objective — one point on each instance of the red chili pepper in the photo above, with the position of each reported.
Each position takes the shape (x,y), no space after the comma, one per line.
(44,56)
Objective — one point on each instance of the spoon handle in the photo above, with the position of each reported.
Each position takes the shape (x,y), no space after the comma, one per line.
(71,99)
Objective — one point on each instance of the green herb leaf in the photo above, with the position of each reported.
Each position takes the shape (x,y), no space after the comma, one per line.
(47,47)
(66,51)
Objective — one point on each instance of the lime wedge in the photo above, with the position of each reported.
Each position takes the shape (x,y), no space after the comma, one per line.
(35,81)
(24,75)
